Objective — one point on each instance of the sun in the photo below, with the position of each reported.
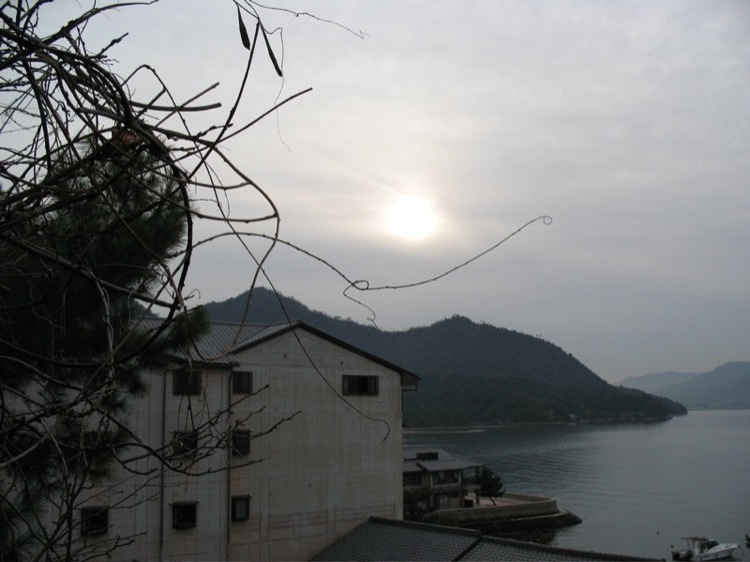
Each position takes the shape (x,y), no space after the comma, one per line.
(411,217)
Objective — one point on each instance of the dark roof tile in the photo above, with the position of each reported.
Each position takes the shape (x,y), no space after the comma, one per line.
(385,539)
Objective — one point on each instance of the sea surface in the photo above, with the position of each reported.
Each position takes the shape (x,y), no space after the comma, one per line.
(638,488)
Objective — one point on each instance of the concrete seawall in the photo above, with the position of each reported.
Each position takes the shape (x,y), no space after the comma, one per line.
(509,511)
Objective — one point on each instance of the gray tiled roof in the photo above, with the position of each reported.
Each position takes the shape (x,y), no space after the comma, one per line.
(495,548)
(225,339)
(218,345)
(385,539)
(445,460)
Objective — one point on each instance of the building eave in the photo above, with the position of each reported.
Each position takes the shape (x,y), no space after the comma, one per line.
(409,379)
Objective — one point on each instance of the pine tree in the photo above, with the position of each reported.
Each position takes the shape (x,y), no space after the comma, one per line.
(72,348)
(489,484)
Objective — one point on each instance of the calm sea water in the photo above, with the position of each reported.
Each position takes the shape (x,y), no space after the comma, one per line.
(637,488)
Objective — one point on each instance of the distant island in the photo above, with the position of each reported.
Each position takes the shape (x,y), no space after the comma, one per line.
(472,373)
(726,387)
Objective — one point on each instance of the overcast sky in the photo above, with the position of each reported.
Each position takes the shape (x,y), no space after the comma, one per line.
(627,122)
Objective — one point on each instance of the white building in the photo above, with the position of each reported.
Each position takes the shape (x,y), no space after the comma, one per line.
(336,463)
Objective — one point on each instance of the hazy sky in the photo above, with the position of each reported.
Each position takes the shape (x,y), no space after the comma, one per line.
(627,122)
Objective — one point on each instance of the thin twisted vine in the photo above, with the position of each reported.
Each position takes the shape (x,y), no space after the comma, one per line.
(85,164)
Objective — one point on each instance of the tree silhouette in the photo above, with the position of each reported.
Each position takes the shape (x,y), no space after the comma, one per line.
(98,193)
(489,484)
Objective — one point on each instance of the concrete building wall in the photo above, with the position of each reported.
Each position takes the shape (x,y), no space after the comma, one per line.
(334,464)
(313,478)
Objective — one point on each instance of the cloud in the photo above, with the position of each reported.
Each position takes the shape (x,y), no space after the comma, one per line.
(624,120)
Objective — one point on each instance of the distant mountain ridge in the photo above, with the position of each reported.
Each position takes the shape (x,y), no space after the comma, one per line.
(727,386)
(472,374)
(656,381)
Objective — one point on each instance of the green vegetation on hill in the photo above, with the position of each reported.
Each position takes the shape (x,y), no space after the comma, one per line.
(472,374)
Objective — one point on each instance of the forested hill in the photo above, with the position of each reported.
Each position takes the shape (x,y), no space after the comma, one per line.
(472,374)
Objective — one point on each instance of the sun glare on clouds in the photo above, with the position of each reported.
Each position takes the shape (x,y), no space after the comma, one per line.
(411,217)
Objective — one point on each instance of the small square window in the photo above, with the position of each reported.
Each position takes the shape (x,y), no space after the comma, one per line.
(242,382)
(412,479)
(353,385)
(94,521)
(186,382)
(184,515)
(90,440)
(184,443)
(94,442)
(240,442)
(240,508)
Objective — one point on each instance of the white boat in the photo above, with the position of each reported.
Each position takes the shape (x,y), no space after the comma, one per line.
(704,548)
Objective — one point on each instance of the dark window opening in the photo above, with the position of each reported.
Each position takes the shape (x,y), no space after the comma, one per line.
(184,443)
(240,508)
(427,456)
(359,385)
(90,440)
(184,515)
(242,382)
(186,382)
(469,476)
(240,442)
(446,477)
(412,478)
(94,521)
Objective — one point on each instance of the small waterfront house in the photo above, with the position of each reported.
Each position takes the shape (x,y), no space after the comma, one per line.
(440,486)
(333,465)
(442,480)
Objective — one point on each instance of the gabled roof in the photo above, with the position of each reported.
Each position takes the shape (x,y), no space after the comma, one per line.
(220,345)
(386,539)
(416,462)
(223,340)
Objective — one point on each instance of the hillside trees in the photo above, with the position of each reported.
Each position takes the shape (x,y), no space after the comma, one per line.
(475,373)
(97,217)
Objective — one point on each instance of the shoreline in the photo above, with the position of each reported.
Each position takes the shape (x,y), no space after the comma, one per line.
(477,428)
(484,427)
